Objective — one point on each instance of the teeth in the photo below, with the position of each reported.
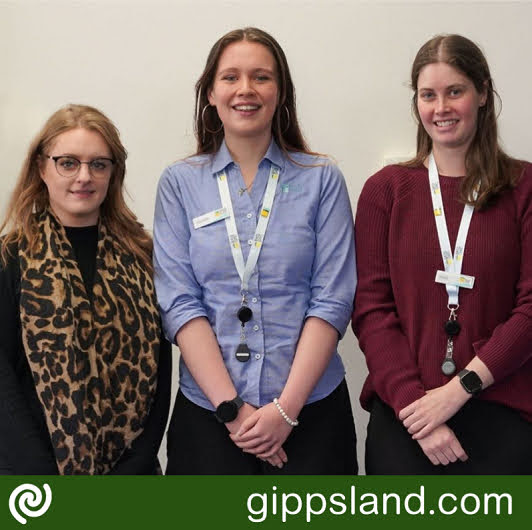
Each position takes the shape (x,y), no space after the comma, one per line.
(246,107)
(445,123)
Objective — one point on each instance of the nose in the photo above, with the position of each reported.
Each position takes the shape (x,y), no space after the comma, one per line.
(442,105)
(84,174)
(245,86)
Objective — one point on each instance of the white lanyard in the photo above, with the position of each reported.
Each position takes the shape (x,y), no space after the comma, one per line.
(245,271)
(452,261)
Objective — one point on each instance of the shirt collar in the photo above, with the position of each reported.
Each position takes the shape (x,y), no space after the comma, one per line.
(222,157)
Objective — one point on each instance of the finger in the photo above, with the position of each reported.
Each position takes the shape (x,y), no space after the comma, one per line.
(449,453)
(247,424)
(425,431)
(275,461)
(441,457)
(282,455)
(409,409)
(432,458)
(458,450)
(249,436)
(262,451)
(269,451)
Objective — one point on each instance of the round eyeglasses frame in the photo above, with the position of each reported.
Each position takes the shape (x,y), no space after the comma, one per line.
(95,171)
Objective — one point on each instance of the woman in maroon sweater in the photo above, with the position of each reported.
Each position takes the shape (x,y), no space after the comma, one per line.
(433,345)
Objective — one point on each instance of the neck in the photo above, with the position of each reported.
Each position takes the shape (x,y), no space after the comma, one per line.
(450,161)
(247,152)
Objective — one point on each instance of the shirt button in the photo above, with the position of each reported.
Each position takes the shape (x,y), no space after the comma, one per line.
(249,215)
(250,241)
(257,356)
(254,300)
(255,328)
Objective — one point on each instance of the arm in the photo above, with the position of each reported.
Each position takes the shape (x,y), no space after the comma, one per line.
(391,363)
(332,290)
(25,446)
(503,353)
(141,458)
(179,296)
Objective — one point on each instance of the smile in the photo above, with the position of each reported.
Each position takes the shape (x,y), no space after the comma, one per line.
(246,107)
(445,123)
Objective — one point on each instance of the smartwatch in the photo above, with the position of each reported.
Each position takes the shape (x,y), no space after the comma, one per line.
(228,410)
(470,381)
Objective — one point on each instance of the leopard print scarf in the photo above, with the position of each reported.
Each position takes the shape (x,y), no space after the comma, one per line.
(94,366)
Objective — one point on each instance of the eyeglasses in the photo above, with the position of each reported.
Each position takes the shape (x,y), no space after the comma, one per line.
(69,166)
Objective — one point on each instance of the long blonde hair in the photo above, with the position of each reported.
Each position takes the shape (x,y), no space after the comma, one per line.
(31,194)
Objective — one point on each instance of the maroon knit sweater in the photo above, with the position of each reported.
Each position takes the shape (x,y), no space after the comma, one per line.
(400,310)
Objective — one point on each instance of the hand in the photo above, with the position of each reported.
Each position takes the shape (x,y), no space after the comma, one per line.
(263,433)
(433,409)
(278,459)
(442,447)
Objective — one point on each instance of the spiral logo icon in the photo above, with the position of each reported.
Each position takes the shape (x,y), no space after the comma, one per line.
(27,498)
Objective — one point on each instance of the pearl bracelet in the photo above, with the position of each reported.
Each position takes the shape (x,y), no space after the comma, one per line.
(293,423)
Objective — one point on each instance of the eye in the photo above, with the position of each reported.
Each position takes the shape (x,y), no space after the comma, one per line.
(426,95)
(229,77)
(263,77)
(100,164)
(455,92)
(66,162)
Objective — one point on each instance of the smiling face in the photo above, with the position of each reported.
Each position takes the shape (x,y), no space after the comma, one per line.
(245,90)
(448,103)
(76,201)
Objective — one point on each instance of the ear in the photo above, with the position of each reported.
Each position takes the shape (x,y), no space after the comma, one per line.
(210,98)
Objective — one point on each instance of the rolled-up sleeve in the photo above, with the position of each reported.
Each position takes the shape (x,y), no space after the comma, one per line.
(333,281)
(178,292)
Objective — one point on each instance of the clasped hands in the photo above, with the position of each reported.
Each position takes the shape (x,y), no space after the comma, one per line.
(425,420)
(261,432)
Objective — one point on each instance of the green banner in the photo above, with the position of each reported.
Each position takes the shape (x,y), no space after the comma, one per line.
(263,502)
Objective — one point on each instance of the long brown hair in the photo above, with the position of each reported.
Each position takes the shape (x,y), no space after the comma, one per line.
(285,127)
(31,194)
(485,161)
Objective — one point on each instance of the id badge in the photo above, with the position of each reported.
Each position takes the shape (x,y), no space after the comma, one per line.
(457,280)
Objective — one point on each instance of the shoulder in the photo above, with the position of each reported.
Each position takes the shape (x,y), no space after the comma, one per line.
(392,183)
(189,167)
(314,167)
(9,271)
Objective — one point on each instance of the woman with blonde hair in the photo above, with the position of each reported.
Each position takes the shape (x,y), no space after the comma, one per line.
(84,373)
(443,309)
(255,269)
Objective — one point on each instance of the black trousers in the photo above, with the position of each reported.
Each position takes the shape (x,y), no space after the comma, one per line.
(324,442)
(496,438)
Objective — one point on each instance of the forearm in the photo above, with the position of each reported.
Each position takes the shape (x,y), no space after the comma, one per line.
(315,348)
(203,358)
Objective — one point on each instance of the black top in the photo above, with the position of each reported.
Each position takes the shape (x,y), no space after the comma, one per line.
(25,447)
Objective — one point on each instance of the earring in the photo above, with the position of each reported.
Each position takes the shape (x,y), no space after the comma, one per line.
(205,128)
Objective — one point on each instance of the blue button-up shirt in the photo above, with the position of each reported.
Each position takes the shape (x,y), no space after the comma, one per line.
(306,266)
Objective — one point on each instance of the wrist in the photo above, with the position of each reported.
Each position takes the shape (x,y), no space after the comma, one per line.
(291,420)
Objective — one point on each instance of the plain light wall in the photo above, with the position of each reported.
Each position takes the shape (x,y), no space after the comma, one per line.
(350,61)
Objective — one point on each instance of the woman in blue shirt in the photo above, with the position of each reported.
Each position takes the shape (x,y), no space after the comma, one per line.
(254,270)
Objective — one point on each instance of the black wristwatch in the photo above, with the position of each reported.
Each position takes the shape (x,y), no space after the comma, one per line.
(228,410)
(470,381)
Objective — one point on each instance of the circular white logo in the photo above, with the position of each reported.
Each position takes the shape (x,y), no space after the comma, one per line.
(29,501)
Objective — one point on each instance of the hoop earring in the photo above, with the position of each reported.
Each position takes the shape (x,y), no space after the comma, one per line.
(205,128)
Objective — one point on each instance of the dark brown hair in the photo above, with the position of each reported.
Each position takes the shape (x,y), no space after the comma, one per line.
(31,194)
(285,127)
(485,162)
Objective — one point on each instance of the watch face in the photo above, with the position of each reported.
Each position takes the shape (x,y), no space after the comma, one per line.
(472,382)
(227,411)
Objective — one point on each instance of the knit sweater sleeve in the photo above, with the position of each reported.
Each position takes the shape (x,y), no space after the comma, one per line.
(510,344)
(393,372)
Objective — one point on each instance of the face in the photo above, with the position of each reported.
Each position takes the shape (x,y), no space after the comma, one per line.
(245,91)
(76,200)
(448,104)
